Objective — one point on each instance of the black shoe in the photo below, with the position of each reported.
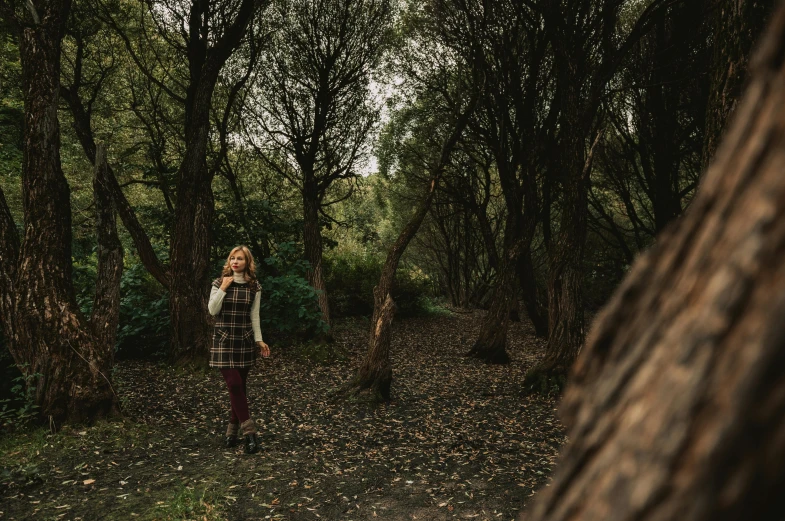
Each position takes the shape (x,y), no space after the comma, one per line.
(231,441)
(252,445)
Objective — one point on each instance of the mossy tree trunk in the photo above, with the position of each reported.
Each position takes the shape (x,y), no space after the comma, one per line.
(676,406)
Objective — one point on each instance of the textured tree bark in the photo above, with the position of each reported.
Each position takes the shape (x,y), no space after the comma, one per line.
(48,336)
(737,26)
(106,304)
(565,283)
(312,241)
(676,407)
(9,258)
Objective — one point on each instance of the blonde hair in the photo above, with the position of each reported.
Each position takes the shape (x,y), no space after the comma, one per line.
(250,266)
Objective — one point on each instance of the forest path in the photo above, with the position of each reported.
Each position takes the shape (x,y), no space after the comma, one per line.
(458,441)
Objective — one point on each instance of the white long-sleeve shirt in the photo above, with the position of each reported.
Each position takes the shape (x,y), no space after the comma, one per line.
(217,299)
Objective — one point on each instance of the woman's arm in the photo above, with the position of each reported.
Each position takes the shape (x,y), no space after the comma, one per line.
(216,300)
(255,321)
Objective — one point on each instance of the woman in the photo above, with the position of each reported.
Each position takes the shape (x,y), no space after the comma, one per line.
(234,302)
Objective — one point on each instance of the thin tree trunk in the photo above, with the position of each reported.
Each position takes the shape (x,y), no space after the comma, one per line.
(312,240)
(676,407)
(737,26)
(662,101)
(106,304)
(532,295)
(48,336)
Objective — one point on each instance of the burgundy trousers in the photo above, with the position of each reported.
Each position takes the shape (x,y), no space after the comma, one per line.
(235,382)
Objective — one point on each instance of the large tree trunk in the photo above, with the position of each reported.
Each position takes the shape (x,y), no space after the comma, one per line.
(312,241)
(491,343)
(737,26)
(676,407)
(190,246)
(565,283)
(45,329)
(190,251)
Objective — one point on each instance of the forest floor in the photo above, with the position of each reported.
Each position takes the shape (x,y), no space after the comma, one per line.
(458,440)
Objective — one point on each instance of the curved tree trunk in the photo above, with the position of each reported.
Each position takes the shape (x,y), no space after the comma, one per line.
(47,333)
(84,133)
(676,407)
(375,373)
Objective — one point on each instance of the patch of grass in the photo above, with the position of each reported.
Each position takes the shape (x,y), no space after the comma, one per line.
(22,446)
(20,455)
(428,307)
(191,503)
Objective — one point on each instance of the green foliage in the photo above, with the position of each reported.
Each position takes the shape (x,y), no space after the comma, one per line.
(351,276)
(289,304)
(18,411)
(352,273)
(144,313)
(143,330)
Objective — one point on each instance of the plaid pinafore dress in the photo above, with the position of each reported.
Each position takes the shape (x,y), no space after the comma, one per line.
(233,340)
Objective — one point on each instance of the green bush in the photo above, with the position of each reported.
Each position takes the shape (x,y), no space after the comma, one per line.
(289,304)
(144,314)
(351,277)
(18,409)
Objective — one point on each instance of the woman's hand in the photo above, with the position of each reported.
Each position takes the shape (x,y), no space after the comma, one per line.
(226,282)
(264,349)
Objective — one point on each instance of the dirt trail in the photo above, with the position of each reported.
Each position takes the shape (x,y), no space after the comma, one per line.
(458,441)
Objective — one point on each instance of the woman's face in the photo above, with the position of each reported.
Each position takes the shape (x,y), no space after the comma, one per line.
(237,262)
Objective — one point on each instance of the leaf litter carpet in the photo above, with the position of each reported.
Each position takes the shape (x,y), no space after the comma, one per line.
(458,440)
